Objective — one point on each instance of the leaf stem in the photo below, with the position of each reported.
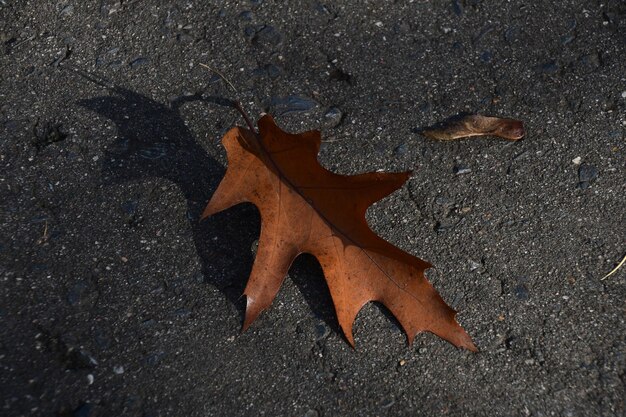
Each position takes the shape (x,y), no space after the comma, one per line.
(245,116)
(237,104)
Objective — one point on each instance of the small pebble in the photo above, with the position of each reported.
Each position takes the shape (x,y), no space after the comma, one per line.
(90,379)
(83,410)
(78,293)
(182,312)
(249,31)
(259,72)
(332,117)
(400,149)
(591,62)
(118,369)
(474,265)
(486,57)
(11,126)
(291,104)
(511,34)
(512,343)
(139,62)
(577,160)
(130,206)
(572,24)
(387,403)
(273,71)
(426,107)
(586,174)
(567,39)
(521,292)
(246,15)
(148,323)
(109,7)
(267,38)
(550,67)
(102,339)
(457,8)
(154,358)
(67,10)
(321,331)
(199,277)
(184,38)
(254,246)
(80,359)
(460,170)
(214,79)
(154,151)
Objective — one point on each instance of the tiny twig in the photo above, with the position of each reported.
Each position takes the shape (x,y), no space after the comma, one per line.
(619,265)
(23,41)
(221,76)
(43,239)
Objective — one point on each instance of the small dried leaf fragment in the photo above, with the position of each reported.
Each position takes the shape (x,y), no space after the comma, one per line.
(476,125)
(308,209)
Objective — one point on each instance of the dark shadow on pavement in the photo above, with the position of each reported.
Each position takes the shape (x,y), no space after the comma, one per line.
(306,272)
(154,142)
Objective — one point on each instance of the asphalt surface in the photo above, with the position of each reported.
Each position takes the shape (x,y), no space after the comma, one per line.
(116,301)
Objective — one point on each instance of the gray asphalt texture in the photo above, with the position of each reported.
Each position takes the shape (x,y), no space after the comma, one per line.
(116,301)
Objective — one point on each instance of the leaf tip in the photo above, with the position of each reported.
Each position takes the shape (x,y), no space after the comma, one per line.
(467,344)
(208,211)
(515,130)
(253,309)
(347,333)
(350,340)
(463,340)
(471,347)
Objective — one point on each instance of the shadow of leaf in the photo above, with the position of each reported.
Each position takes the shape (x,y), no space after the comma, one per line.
(308,276)
(154,142)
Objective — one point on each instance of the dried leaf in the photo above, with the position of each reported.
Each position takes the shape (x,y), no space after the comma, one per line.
(308,209)
(476,125)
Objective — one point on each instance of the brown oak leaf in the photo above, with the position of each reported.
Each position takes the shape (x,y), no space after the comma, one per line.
(308,209)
